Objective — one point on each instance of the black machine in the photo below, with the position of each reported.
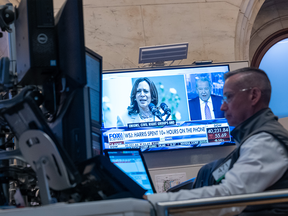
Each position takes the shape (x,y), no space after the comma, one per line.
(55,113)
(54,57)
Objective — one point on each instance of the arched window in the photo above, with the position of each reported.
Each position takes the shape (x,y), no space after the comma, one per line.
(266,45)
(272,57)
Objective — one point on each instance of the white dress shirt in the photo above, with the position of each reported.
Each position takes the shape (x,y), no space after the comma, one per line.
(262,162)
(202,108)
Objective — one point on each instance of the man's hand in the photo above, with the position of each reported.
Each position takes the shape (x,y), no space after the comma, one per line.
(145,197)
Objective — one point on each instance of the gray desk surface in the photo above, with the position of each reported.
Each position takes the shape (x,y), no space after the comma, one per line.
(117,207)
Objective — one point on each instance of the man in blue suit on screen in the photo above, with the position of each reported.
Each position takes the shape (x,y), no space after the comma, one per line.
(205,106)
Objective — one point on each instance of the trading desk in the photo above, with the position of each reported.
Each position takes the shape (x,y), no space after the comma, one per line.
(116,207)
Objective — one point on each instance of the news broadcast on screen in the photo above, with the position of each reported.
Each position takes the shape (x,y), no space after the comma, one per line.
(162,109)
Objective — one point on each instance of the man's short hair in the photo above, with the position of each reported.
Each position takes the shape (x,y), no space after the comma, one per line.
(203,79)
(253,77)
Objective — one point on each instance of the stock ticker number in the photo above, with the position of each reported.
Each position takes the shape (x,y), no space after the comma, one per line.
(218,134)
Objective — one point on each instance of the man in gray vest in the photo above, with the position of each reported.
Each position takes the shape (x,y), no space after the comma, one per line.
(259,162)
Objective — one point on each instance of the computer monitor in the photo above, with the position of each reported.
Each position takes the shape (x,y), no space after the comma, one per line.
(69,74)
(78,87)
(186,125)
(94,83)
(103,180)
(53,56)
(132,163)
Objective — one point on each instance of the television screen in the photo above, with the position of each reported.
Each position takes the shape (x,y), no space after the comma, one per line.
(164,108)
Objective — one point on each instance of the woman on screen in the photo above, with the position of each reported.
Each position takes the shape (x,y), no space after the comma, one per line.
(143,93)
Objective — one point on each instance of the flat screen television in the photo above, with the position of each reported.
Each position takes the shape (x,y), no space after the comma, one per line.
(176,95)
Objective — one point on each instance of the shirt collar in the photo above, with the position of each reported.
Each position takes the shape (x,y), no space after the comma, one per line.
(209,101)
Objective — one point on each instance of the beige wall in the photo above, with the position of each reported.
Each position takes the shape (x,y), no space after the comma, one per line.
(117,28)
(217,30)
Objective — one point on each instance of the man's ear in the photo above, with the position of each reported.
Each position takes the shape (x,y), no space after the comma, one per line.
(255,95)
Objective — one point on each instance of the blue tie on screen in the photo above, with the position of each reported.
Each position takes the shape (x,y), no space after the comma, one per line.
(207,111)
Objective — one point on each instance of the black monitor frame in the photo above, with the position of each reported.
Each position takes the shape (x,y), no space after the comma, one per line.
(71,43)
(72,124)
(95,111)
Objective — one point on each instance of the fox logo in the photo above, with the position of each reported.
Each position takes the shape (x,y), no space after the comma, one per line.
(115,137)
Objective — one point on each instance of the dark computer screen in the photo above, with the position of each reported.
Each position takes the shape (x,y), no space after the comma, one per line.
(78,87)
(94,84)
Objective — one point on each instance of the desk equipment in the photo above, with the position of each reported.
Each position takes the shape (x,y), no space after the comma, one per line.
(132,163)
(102,180)
(55,125)
(93,179)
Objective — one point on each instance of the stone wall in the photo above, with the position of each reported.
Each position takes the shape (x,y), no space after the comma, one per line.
(116,29)
(217,30)
(272,17)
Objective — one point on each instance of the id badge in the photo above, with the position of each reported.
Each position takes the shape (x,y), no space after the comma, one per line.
(220,172)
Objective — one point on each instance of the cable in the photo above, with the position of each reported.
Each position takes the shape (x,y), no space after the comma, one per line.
(3,145)
(26,171)
(3,122)
(153,207)
(63,106)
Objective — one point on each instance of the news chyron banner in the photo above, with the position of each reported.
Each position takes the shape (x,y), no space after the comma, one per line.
(189,135)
